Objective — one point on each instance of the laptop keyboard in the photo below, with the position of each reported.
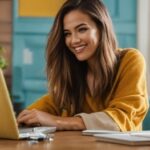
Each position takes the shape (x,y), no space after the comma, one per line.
(35,132)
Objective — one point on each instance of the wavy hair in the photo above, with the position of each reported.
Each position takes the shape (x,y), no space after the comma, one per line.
(66,75)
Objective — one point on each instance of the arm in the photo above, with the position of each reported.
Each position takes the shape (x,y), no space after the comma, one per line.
(37,117)
(130,102)
(46,104)
(127,103)
(44,112)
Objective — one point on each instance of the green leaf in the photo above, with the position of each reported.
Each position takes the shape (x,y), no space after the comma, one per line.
(3,63)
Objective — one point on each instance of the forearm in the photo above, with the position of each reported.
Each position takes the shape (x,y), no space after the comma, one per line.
(69,123)
(34,116)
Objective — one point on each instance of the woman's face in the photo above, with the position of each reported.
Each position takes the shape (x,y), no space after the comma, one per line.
(81,35)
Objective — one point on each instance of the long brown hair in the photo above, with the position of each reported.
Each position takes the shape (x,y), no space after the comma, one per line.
(66,75)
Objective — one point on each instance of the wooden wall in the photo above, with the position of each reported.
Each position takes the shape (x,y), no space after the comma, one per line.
(6,35)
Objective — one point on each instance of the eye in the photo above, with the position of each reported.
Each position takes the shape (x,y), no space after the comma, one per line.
(66,34)
(83,29)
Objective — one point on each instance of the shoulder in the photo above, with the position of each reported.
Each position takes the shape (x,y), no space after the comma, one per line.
(132,56)
(131,62)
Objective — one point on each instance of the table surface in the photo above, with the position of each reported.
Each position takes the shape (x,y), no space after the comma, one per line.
(67,140)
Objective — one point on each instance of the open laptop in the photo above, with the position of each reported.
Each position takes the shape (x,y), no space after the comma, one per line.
(8,125)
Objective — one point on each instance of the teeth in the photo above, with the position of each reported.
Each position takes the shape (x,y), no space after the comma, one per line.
(79,48)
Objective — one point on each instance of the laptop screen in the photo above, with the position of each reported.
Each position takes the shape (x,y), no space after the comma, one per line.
(8,124)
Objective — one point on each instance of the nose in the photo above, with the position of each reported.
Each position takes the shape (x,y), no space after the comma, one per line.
(75,39)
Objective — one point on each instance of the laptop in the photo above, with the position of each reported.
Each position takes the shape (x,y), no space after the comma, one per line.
(8,124)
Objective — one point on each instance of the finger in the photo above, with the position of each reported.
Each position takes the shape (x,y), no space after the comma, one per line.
(24,112)
(25,117)
(32,122)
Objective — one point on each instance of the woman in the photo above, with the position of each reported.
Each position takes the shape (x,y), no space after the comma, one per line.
(92,84)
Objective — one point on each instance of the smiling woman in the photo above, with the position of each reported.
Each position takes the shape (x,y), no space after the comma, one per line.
(92,83)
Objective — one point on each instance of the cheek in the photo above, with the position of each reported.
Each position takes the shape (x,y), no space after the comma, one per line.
(95,37)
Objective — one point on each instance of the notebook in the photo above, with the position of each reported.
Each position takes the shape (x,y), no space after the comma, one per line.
(92,132)
(8,124)
(124,138)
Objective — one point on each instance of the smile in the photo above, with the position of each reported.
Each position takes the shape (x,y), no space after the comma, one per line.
(79,49)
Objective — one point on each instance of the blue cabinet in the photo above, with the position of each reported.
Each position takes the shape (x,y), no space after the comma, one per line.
(29,42)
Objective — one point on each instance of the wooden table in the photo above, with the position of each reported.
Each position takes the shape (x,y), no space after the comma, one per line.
(67,140)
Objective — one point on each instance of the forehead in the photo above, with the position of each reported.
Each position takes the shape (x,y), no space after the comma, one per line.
(75,18)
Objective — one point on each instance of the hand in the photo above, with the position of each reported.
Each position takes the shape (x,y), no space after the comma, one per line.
(35,117)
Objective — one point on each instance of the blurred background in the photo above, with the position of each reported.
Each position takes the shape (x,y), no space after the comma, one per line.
(24,28)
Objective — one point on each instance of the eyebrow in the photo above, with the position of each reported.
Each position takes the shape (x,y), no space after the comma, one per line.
(80,25)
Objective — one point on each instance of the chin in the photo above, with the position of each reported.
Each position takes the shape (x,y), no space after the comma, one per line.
(81,59)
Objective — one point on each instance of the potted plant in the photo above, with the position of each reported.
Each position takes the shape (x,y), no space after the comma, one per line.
(3,63)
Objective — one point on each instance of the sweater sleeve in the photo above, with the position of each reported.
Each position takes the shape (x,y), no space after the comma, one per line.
(99,121)
(128,103)
(45,103)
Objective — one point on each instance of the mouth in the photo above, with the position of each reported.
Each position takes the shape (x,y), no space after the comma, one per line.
(79,49)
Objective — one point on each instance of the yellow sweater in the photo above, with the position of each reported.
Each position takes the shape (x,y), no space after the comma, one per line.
(126,105)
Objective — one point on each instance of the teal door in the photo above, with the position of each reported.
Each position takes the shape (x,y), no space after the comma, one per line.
(124,14)
(29,41)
